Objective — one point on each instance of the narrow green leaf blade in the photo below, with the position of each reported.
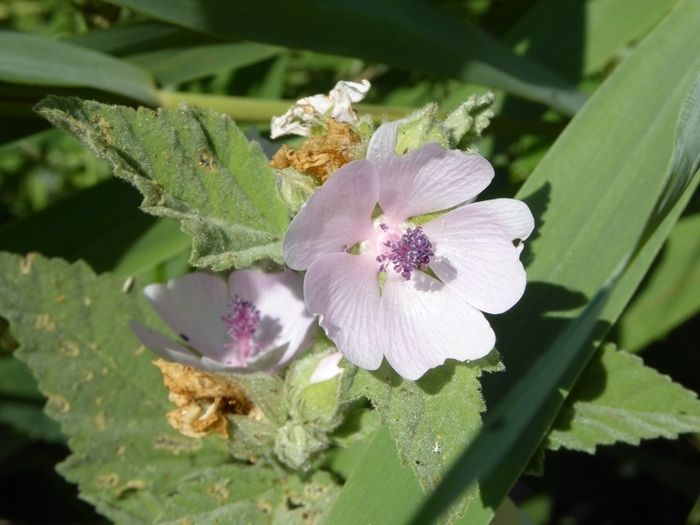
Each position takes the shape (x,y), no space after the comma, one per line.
(30,420)
(36,60)
(21,403)
(193,165)
(395,504)
(511,430)
(177,65)
(16,380)
(618,399)
(673,293)
(106,230)
(577,39)
(410,34)
(135,37)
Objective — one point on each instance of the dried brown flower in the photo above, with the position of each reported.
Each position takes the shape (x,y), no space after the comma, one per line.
(203,399)
(322,155)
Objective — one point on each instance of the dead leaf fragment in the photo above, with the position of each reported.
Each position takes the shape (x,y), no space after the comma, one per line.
(320,156)
(202,399)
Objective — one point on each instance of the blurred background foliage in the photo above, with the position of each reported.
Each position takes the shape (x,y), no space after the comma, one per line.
(58,199)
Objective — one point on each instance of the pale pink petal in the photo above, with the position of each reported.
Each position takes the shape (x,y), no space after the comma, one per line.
(431,179)
(425,180)
(279,298)
(512,215)
(475,254)
(192,305)
(336,217)
(327,368)
(300,337)
(163,346)
(266,361)
(343,289)
(423,323)
(381,150)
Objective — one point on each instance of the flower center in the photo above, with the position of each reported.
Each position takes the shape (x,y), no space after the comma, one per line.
(412,251)
(242,323)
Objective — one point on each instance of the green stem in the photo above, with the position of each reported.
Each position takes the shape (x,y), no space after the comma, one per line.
(246,109)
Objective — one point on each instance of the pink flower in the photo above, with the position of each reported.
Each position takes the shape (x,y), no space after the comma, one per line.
(413,319)
(257,321)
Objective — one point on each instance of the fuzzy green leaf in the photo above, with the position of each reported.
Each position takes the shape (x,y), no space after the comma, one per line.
(618,398)
(109,400)
(193,165)
(315,410)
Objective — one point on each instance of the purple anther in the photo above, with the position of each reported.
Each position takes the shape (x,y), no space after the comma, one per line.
(412,251)
(242,322)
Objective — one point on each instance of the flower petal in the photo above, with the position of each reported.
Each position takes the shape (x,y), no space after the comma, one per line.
(337,216)
(327,368)
(343,95)
(512,215)
(381,149)
(431,179)
(279,298)
(423,323)
(163,346)
(266,361)
(312,111)
(343,289)
(475,255)
(425,180)
(192,305)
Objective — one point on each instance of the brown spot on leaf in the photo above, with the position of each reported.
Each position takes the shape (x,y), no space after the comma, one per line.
(60,298)
(69,349)
(219,490)
(320,156)
(176,445)
(104,129)
(315,490)
(107,481)
(132,484)
(206,161)
(25,263)
(202,399)
(44,322)
(263,505)
(58,403)
(100,422)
